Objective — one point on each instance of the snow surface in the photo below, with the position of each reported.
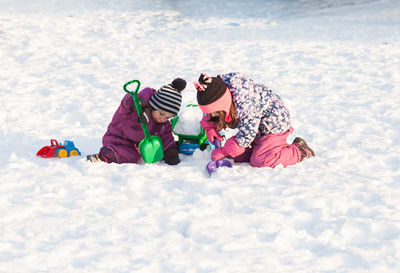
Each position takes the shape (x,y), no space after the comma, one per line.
(336,64)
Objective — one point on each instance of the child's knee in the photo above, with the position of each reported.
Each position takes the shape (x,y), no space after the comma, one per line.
(107,155)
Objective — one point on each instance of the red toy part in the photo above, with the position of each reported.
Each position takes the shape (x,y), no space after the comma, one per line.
(48,151)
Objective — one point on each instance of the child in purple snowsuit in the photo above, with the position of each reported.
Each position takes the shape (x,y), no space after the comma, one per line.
(262,121)
(124,133)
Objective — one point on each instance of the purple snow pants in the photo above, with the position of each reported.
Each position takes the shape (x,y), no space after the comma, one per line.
(270,151)
(127,155)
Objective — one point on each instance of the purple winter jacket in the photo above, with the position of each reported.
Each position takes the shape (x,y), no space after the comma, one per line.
(124,133)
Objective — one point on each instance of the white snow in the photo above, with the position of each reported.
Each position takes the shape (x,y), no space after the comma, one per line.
(188,122)
(335,63)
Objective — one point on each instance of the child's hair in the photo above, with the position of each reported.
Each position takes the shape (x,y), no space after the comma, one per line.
(220,119)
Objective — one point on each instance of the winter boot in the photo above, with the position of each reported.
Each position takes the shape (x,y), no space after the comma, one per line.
(306,152)
(93,158)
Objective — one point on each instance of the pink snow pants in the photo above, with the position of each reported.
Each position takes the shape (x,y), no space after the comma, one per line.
(270,151)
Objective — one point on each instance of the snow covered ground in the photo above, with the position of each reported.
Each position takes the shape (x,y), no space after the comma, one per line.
(336,64)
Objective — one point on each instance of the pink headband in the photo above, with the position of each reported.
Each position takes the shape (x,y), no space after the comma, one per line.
(223,103)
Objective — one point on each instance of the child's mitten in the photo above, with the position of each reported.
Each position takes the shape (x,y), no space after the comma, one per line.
(171,156)
(211,134)
(211,129)
(231,148)
(217,154)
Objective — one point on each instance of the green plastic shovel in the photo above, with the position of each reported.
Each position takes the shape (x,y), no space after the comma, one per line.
(150,148)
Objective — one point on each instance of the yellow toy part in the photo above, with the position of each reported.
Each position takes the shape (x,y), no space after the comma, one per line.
(73,153)
(62,153)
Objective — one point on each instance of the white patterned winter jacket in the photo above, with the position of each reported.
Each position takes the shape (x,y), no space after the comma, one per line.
(259,111)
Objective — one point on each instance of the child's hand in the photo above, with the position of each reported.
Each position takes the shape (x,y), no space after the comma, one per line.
(231,148)
(217,154)
(171,156)
(211,134)
(211,129)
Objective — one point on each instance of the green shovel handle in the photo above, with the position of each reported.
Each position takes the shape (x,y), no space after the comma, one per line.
(137,105)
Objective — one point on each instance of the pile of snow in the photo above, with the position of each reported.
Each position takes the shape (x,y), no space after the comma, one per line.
(189,121)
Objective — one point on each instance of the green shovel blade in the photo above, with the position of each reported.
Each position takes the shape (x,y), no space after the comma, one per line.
(151,149)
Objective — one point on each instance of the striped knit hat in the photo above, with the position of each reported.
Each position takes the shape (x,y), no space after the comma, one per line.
(168,98)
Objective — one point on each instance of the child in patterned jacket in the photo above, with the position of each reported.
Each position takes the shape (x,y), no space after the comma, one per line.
(262,121)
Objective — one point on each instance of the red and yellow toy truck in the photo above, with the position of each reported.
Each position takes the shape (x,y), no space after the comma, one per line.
(58,150)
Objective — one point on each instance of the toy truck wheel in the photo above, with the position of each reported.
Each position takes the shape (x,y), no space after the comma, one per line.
(62,153)
(73,153)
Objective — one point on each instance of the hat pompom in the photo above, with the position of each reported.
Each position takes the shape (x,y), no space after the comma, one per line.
(179,84)
(205,79)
